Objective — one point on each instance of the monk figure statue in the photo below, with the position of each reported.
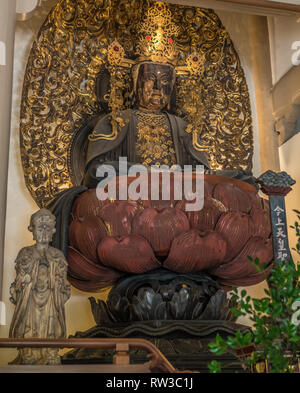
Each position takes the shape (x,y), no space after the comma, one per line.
(39,292)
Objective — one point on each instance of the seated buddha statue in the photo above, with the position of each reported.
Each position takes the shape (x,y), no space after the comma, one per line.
(151,135)
(148,133)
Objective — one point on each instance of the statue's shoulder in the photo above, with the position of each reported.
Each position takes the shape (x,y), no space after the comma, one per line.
(55,253)
(180,120)
(104,123)
(26,257)
(57,257)
(186,138)
(180,123)
(26,252)
(101,139)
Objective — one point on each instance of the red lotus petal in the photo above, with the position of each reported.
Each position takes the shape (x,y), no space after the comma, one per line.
(246,281)
(241,266)
(236,229)
(266,204)
(261,223)
(255,199)
(206,218)
(132,254)
(160,227)
(154,184)
(87,204)
(85,269)
(118,216)
(86,234)
(194,251)
(159,204)
(208,188)
(154,187)
(232,197)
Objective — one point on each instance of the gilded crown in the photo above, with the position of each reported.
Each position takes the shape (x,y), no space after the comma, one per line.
(156,35)
(156,42)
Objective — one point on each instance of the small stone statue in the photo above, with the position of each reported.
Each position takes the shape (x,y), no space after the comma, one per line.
(39,292)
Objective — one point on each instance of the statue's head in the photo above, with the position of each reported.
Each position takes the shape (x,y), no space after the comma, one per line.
(153,62)
(42,226)
(153,85)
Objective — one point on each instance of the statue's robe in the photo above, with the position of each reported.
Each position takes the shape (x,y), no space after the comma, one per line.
(108,150)
(39,313)
(124,145)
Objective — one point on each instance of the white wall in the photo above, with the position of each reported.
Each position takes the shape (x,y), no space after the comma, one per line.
(7,29)
(290,163)
(297,2)
(284,31)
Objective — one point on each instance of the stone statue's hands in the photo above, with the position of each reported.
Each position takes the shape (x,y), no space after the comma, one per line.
(27,279)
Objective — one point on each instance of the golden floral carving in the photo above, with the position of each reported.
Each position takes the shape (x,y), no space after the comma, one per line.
(71,49)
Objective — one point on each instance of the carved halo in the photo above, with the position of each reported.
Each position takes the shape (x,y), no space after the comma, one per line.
(71,50)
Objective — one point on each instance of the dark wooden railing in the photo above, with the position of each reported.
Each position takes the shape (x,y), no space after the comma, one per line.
(120,345)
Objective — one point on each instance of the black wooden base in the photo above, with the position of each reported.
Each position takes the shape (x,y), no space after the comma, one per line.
(184,343)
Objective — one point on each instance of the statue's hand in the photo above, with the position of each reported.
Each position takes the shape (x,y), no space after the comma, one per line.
(27,279)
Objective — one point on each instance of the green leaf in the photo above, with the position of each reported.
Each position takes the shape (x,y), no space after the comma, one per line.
(247,339)
(273,332)
(257,304)
(264,265)
(214,367)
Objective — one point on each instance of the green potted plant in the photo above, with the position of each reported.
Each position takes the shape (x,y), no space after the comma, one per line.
(273,345)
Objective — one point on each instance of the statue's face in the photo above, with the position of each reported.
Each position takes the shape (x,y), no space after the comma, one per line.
(43,231)
(154,86)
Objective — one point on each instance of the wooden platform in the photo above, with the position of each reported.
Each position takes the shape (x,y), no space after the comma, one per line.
(76,369)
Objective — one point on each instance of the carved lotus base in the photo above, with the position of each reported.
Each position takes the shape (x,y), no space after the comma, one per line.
(179,313)
(111,239)
(163,295)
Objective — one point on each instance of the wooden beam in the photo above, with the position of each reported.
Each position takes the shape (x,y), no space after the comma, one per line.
(273,5)
(254,7)
(157,359)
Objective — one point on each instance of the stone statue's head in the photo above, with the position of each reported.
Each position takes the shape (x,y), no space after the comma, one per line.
(153,85)
(42,225)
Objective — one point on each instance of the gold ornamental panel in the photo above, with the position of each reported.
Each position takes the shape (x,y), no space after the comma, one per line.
(70,51)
